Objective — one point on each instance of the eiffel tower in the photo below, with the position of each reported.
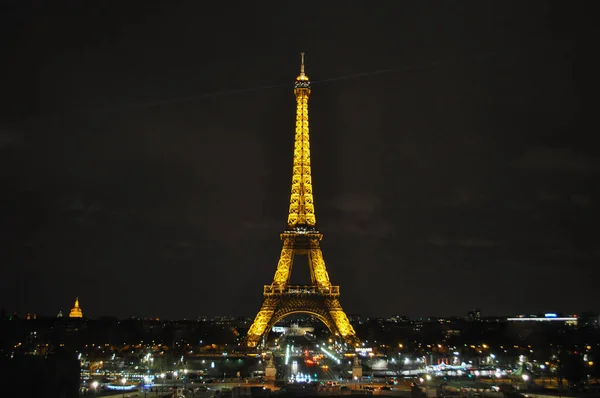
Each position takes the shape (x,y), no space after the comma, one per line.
(319,299)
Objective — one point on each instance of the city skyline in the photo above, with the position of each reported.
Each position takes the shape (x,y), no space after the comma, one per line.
(146,159)
(481,314)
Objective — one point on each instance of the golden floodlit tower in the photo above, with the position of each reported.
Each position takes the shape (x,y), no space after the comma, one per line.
(76,310)
(321,298)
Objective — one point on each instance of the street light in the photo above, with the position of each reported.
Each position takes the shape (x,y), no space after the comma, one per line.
(123,381)
(95,386)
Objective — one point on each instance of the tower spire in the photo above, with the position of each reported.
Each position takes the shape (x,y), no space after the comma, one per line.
(302,210)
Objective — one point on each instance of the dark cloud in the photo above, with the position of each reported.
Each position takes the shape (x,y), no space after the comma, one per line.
(8,139)
(266,225)
(463,242)
(463,197)
(365,227)
(558,159)
(566,199)
(362,215)
(361,205)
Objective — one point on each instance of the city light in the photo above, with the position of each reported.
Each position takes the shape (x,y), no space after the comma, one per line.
(330,355)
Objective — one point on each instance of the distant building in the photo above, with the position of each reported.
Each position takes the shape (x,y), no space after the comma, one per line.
(589,320)
(293,330)
(549,317)
(76,310)
(474,315)
(452,332)
(60,315)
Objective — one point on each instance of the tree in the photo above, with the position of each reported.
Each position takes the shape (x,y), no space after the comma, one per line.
(572,368)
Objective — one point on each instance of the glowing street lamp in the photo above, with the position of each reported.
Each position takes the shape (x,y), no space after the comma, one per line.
(542,368)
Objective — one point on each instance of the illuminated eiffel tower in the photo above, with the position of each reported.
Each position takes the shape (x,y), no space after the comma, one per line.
(321,298)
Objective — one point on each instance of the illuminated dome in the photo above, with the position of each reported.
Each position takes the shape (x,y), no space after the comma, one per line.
(76,311)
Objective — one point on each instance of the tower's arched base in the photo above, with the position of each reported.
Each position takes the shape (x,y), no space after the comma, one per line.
(326,308)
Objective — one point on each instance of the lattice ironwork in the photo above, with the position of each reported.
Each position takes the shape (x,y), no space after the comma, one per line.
(319,299)
(302,210)
(332,291)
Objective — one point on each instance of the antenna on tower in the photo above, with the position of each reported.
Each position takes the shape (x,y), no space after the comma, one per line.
(302,65)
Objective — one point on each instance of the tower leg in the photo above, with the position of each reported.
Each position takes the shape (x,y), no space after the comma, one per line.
(341,321)
(284,265)
(261,322)
(317,265)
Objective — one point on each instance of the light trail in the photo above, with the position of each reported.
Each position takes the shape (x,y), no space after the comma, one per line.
(330,355)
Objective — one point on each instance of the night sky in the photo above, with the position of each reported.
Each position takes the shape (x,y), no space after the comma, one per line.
(146,153)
